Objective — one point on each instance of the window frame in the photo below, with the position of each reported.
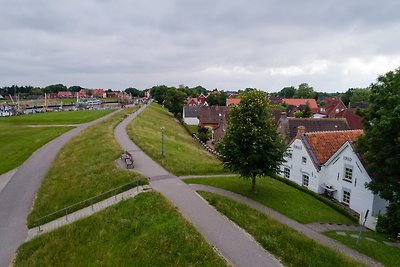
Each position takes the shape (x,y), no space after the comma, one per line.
(286,174)
(346,196)
(304,160)
(348,172)
(305,177)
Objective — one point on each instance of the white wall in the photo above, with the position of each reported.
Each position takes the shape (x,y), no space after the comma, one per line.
(297,168)
(191,121)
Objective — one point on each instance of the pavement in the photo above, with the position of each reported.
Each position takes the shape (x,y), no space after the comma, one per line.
(310,230)
(234,244)
(6,177)
(17,196)
(85,212)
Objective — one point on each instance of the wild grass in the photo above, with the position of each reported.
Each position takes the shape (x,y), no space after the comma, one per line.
(65,117)
(144,231)
(378,250)
(290,246)
(84,168)
(183,155)
(279,196)
(17,143)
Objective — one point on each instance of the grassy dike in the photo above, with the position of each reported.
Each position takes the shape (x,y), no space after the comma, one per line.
(143,231)
(84,168)
(183,155)
(290,246)
(279,196)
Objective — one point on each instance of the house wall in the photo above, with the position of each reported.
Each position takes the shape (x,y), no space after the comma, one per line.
(361,198)
(298,168)
(191,121)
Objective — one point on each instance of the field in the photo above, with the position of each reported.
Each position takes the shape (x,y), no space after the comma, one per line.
(144,231)
(279,196)
(55,118)
(84,168)
(378,250)
(290,246)
(183,155)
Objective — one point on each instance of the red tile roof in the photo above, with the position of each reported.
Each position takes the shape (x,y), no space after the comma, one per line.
(324,144)
(353,120)
(300,101)
(232,101)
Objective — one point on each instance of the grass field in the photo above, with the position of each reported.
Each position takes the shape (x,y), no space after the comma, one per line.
(281,197)
(17,143)
(65,117)
(183,155)
(84,168)
(144,231)
(290,246)
(388,255)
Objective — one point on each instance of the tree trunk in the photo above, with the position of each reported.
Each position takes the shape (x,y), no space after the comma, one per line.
(253,184)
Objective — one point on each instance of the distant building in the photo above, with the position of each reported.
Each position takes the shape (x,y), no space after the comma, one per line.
(100,93)
(65,94)
(232,101)
(353,119)
(332,106)
(297,102)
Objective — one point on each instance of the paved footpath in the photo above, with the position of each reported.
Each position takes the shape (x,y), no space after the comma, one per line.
(307,230)
(234,244)
(16,198)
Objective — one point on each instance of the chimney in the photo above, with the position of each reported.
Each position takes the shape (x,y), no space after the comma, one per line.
(300,130)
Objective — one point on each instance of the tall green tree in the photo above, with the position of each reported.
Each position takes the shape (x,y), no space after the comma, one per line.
(134,92)
(174,101)
(380,143)
(251,145)
(287,92)
(304,91)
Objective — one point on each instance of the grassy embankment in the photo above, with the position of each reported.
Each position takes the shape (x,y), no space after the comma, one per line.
(378,250)
(84,168)
(18,141)
(183,155)
(144,231)
(290,246)
(279,196)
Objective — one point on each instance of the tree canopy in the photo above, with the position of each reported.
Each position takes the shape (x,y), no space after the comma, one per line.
(251,145)
(304,91)
(380,143)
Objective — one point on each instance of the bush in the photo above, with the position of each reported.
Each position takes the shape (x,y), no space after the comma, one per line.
(204,134)
(389,223)
(317,196)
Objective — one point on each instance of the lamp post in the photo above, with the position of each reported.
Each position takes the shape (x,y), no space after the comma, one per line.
(162,142)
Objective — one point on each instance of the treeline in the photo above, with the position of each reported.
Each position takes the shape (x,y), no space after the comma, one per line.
(25,91)
(351,97)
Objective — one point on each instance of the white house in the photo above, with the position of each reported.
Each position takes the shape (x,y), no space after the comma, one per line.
(326,163)
(191,115)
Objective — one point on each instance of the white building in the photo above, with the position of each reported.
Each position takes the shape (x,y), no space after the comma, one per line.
(191,115)
(326,163)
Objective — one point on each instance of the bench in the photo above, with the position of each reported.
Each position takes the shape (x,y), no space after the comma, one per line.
(127,157)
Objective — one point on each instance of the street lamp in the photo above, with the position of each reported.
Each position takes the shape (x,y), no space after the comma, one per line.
(162,142)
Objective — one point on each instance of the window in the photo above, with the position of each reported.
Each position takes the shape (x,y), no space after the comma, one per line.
(348,174)
(286,173)
(289,155)
(305,180)
(304,160)
(346,197)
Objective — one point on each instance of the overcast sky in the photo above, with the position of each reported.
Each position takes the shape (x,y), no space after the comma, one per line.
(268,44)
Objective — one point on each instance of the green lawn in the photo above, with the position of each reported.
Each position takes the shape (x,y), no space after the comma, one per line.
(290,246)
(84,168)
(388,255)
(65,117)
(17,143)
(144,231)
(280,197)
(183,155)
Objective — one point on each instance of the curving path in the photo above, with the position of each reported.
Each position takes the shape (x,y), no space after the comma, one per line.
(16,198)
(309,230)
(234,244)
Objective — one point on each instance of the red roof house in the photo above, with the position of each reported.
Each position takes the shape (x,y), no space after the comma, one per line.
(353,119)
(65,94)
(301,102)
(232,101)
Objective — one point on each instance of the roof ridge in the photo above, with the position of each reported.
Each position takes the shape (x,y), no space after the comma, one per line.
(336,131)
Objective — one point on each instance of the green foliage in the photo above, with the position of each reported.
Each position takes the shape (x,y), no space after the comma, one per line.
(55,88)
(217,99)
(291,247)
(204,134)
(251,145)
(389,223)
(298,114)
(134,92)
(174,101)
(379,145)
(287,92)
(144,231)
(304,91)
(360,95)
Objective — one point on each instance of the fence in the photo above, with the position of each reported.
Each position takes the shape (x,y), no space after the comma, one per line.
(206,147)
(85,203)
